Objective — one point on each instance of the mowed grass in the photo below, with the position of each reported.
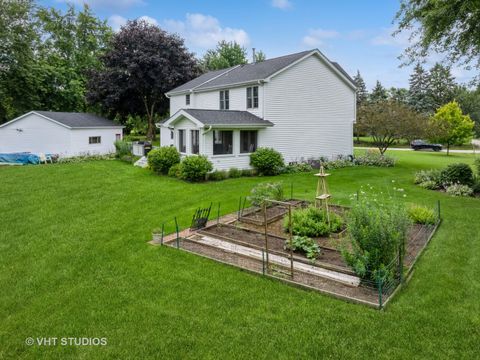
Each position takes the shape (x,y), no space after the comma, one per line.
(74,262)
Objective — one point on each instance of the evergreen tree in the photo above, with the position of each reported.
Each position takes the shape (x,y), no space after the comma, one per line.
(418,96)
(379,93)
(400,95)
(362,93)
(441,86)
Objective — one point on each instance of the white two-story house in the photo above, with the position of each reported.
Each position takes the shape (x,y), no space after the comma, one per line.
(303,105)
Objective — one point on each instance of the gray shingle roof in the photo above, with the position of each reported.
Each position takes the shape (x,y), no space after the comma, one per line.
(240,74)
(342,70)
(78,120)
(227,117)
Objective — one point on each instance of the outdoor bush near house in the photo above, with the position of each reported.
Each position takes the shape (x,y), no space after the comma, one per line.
(374,159)
(459,190)
(312,222)
(217,175)
(370,158)
(267,161)
(162,159)
(234,173)
(174,171)
(263,191)
(477,165)
(304,244)
(428,179)
(294,168)
(248,172)
(195,168)
(421,214)
(122,148)
(83,158)
(459,173)
(377,233)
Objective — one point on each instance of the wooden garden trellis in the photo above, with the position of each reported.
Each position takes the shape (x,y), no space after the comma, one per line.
(322,196)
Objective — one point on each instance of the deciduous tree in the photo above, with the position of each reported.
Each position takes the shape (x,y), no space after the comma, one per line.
(450,126)
(143,63)
(225,55)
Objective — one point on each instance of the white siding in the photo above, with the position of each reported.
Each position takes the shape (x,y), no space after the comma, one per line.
(313,112)
(35,134)
(80,141)
(211,100)
(165,136)
(39,135)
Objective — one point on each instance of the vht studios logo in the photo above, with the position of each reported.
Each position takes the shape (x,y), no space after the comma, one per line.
(66,341)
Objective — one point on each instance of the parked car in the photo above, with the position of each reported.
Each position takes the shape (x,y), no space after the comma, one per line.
(423,145)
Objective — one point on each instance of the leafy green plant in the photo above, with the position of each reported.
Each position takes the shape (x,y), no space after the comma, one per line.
(476,186)
(477,165)
(458,173)
(312,222)
(297,168)
(428,179)
(267,161)
(374,159)
(122,148)
(195,168)
(248,172)
(263,191)
(421,214)
(174,171)
(217,175)
(234,173)
(304,244)
(376,233)
(162,159)
(84,158)
(429,184)
(459,190)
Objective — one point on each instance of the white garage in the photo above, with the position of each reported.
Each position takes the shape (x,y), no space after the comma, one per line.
(63,133)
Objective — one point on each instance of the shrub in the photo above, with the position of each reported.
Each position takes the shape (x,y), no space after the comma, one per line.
(174,171)
(376,233)
(421,215)
(267,161)
(248,172)
(459,173)
(305,245)
(217,175)
(476,186)
(162,159)
(84,158)
(429,184)
(428,175)
(312,222)
(337,164)
(459,190)
(195,168)
(297,168)
(234,173)
(122,148)
(374,159)
(128,159)
(263,191)
(477,165)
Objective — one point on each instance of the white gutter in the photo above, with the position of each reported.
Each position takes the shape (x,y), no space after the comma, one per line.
(208,130)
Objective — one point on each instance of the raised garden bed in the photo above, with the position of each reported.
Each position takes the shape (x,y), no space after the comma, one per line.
(242,243)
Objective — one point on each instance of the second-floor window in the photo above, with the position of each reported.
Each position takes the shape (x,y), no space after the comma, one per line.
(187,99)
(224,100)
(252,97)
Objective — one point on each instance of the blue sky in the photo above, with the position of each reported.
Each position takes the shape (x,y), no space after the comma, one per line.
(356,34)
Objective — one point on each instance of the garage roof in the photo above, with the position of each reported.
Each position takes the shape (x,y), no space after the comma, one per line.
(78,120)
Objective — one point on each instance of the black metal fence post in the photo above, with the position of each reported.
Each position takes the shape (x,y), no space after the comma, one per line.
(438,210)
(163,228)
(218,213)
(176,229)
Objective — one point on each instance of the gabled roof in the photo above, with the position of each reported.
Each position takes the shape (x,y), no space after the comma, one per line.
(249,73)
(72,120)
(228,118)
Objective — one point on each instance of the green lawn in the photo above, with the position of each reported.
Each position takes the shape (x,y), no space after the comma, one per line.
(367,141)
(74,262)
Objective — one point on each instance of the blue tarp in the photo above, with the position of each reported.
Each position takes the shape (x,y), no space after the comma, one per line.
(19,158)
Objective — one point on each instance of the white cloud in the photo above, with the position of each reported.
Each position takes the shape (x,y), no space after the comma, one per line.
(205,31)
(385,38)
(282,4)
(316,37)
(116,21)
(107,4)
(149,20)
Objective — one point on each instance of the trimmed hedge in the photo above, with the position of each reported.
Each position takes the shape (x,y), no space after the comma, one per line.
(267,161)
(162,159)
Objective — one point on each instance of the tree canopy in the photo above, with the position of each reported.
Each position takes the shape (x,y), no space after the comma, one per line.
(143,63)
(450,126)
(446,27)
(225,55)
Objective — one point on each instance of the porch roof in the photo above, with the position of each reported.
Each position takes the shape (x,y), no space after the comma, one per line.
(217,118)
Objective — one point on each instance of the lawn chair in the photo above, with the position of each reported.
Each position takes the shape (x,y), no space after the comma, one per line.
(44,159)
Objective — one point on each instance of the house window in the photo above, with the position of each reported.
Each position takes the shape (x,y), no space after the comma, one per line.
(195,134)
(182,141)
(187,99)
(248,141)
(94,139)
(224,100)
(252,97)
(118,137)
(222,142)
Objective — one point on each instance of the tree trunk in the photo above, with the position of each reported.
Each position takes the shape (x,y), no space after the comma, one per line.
(448,149)
(151,130)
